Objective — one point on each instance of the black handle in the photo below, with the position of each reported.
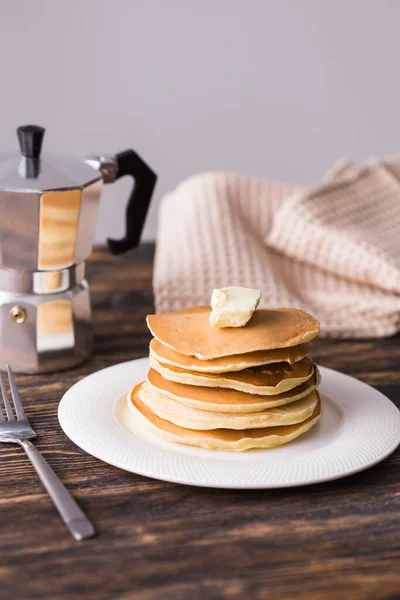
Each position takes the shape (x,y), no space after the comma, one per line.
(30,138)
(130,163)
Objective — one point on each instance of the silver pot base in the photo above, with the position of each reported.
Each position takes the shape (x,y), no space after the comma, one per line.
(45,332)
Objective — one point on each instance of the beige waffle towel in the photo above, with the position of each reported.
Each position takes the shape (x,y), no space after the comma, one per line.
(332,250)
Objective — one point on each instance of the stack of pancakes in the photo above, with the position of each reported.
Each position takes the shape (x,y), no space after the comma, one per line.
(233,388)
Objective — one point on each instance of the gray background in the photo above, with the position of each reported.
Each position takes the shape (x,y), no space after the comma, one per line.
(279,88)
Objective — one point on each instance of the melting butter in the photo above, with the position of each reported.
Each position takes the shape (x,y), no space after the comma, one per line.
(233,306)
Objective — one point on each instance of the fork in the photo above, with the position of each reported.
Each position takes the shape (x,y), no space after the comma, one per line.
(18,431)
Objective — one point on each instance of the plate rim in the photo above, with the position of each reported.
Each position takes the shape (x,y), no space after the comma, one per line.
(185,480)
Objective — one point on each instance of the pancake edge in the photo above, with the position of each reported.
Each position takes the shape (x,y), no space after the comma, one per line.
(285,385)
(238,446)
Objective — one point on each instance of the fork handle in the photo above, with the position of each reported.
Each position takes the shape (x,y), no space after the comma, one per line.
(74,518)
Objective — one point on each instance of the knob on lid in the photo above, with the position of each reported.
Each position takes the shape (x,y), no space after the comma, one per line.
(30,139)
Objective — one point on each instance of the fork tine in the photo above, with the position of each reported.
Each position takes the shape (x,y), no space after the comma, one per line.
(19,408)
(2,419)
(6,401)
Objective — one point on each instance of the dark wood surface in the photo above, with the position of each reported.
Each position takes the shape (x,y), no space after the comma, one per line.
(158,540)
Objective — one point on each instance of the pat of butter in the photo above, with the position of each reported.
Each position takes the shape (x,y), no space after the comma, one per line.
(233,306)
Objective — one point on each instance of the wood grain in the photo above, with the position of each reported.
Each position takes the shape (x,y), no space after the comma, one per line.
(162,541)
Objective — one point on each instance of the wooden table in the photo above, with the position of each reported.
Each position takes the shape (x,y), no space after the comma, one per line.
(156,540)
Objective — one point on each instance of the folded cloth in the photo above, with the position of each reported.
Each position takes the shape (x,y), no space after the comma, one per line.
(332,250)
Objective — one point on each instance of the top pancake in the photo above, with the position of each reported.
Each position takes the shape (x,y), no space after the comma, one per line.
(227,364)
(189,332)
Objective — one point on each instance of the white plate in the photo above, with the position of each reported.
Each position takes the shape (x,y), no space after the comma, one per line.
(359,427)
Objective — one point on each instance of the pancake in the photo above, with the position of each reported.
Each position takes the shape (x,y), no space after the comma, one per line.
(222,439)
(193,418)
(223,400)
(226,364)
(267,380)
(189,332)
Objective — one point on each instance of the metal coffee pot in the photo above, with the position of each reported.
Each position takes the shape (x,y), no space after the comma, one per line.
(48,211)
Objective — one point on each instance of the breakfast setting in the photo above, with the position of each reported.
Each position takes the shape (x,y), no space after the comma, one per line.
(199,362)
